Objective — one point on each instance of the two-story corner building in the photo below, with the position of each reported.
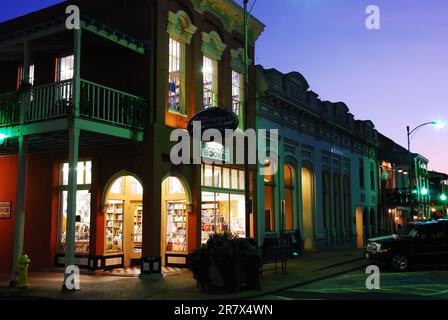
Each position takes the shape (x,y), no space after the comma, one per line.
(405,194)
(86,117)
(326,185)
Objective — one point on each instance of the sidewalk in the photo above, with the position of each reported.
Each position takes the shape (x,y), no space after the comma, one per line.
(301,270)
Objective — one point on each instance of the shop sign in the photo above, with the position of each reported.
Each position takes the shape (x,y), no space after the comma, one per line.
(215,151)
(220,119)
(5,209)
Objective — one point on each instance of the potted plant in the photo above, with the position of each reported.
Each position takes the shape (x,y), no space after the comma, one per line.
(227,262)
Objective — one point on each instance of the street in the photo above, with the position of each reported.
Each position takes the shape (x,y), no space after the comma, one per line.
(419,284)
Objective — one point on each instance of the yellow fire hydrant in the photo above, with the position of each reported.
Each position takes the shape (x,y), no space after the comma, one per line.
(22,271)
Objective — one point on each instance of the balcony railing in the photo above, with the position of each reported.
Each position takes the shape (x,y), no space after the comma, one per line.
(401,197)
(98,103)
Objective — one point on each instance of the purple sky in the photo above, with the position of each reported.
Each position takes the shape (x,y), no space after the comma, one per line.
(394,76)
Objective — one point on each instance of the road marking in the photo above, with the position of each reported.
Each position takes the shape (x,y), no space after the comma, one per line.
(437,293)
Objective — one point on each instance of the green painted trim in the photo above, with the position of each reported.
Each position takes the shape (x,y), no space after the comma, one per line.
(113,37)
(212,45)
(232,19)
(98,127)
(180,27)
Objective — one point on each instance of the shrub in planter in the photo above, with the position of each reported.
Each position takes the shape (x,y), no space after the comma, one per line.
(226,261)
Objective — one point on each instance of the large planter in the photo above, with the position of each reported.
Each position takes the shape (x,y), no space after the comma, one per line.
(228,263)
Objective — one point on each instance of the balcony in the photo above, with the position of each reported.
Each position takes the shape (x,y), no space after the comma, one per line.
(54,101)
(400,198)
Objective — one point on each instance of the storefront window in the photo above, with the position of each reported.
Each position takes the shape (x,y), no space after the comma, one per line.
(176,226)
(289,199)
(114,226)
(269,199)
(83,212)
(223,208)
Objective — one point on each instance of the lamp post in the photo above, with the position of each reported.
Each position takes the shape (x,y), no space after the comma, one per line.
(439,125)
(247,14)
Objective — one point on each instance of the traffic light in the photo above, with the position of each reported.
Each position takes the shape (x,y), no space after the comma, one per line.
(424,191)
(443,197)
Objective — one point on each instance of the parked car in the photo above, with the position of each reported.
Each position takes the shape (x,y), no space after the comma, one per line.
(424,243)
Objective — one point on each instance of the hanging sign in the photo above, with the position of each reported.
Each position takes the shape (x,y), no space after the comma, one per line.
(220,119)
(5,209)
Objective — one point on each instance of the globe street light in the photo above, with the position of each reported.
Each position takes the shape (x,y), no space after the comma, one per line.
(439,125)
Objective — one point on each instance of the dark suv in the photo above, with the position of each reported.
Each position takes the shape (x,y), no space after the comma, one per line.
(417,243)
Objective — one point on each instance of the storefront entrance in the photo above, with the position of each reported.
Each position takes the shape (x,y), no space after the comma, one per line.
(124,220)
(175,203)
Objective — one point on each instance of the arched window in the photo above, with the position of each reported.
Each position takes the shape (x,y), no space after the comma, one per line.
(337,203)
(347,206)
(269,199)
(325,198)
(289,196)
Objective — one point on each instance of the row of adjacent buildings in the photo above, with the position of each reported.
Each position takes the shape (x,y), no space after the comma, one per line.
(105,98)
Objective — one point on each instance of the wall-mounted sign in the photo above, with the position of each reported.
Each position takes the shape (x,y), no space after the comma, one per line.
(215,151)
(220,119)
(5,209)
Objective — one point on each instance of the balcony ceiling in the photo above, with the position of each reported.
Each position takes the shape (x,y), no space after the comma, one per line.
(58,141)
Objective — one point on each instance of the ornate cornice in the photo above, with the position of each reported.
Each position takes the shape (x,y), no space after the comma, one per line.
(180,26)
(231,16)
(212,45)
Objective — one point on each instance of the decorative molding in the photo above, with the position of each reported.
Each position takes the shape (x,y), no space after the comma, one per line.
(238,60)
(212,45)
(231,16)
(180,27)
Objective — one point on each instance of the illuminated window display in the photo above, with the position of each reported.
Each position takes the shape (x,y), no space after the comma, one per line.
(223,202)
(82,226)
(176,220)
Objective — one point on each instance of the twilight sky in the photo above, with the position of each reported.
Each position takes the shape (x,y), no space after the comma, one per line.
(395,76)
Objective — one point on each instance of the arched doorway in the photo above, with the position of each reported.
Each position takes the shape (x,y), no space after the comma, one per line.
(124,219)
(289,197)
(359,228)
(175,207)
(308,208)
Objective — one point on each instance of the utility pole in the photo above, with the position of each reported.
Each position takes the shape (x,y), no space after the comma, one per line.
(246,115)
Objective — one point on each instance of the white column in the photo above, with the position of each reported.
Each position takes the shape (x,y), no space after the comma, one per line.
(73,133)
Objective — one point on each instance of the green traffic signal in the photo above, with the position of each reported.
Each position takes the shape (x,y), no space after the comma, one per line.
(424,191)
(443,197)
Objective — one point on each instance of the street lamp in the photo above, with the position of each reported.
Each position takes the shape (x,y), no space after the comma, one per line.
(247,14)
(439,125)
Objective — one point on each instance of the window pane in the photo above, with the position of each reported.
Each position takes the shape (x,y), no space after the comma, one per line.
(269,212)
(65,174)
(241,173)
(82,226)
(236,92)
(66,68)
(175,186)
(175,76)
(114,227)
(208,176)
(117,187)
(136,186)
(210,77)
(176,227)
(217,177)
(234,179)
(288,175)
(226,178)
(237,215)
(80,173)
(88,172)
